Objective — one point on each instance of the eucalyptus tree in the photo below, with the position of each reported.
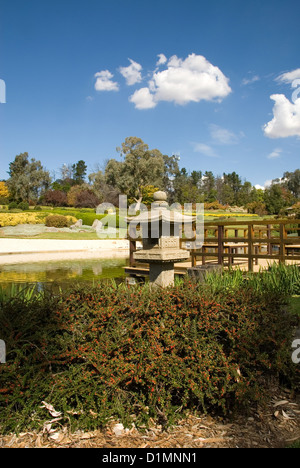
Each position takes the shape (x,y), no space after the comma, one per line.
(139,166)
(28,180)
(292,182)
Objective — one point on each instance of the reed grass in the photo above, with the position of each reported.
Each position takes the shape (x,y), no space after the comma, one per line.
(281,279)
(14,290)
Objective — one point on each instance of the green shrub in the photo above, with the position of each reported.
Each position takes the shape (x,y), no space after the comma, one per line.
(57,221)
(24,206)
(13,206)
(37,208)
(135,353)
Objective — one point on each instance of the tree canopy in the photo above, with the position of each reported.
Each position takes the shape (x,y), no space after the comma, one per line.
(138,172)
(138,168)
(27,178)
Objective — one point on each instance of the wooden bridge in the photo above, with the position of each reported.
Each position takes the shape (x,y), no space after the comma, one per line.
(248,245)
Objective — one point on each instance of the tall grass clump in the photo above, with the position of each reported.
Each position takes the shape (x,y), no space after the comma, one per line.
(281,280)
(15,291)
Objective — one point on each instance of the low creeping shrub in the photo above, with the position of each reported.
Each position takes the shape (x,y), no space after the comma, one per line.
(133,353)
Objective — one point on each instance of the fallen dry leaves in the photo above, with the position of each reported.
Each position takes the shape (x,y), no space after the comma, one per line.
(274,426)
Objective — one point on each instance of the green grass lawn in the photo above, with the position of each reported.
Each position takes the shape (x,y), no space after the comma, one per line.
(62,236)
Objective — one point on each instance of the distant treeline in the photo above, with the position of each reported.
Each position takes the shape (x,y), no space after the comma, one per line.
(138,173)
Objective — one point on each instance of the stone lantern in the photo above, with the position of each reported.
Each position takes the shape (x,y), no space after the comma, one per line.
(161,229)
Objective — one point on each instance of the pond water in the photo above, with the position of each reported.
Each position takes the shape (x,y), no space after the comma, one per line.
(64,273)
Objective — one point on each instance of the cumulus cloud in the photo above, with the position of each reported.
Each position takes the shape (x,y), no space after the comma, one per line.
(162,59)
(143,99)
(104,81)
(183,81)
(286,118)
(223,136)
(132,73)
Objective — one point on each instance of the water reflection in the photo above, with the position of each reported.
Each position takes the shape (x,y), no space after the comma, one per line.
(64,272)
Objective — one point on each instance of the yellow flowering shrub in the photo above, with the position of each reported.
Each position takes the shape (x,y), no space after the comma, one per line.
(13,219)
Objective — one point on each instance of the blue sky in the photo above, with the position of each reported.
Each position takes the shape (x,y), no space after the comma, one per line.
(189,77)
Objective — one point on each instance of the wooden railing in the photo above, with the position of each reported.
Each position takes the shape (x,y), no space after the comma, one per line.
(227,241)
(249,240)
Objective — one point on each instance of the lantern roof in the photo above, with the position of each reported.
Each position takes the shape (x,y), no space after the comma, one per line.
(160,212)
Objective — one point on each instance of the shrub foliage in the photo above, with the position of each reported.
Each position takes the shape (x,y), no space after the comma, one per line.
(13,219)
(59,221)
(132,354)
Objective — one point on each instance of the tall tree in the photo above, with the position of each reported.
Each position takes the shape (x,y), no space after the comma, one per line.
(244,195)
(235,183)
(292,182)
(171,170)
(105,193)
(209,187)
(66,171)
(186,187)
(27,178)
(276,198)
(226,195)
(79,172)
(139,167)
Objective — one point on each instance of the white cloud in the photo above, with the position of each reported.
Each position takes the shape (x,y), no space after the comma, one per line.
(289,77)
(286,118)
(275,154)
(143,99)
(253,79)
(222,135)
(132,73)
(183,81)
(204,149)
(162,59)
(104,81)
(267,184)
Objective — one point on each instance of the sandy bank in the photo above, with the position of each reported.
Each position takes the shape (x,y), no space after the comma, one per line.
(38,250)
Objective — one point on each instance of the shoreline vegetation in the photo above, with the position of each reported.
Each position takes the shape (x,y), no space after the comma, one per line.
(138,355)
